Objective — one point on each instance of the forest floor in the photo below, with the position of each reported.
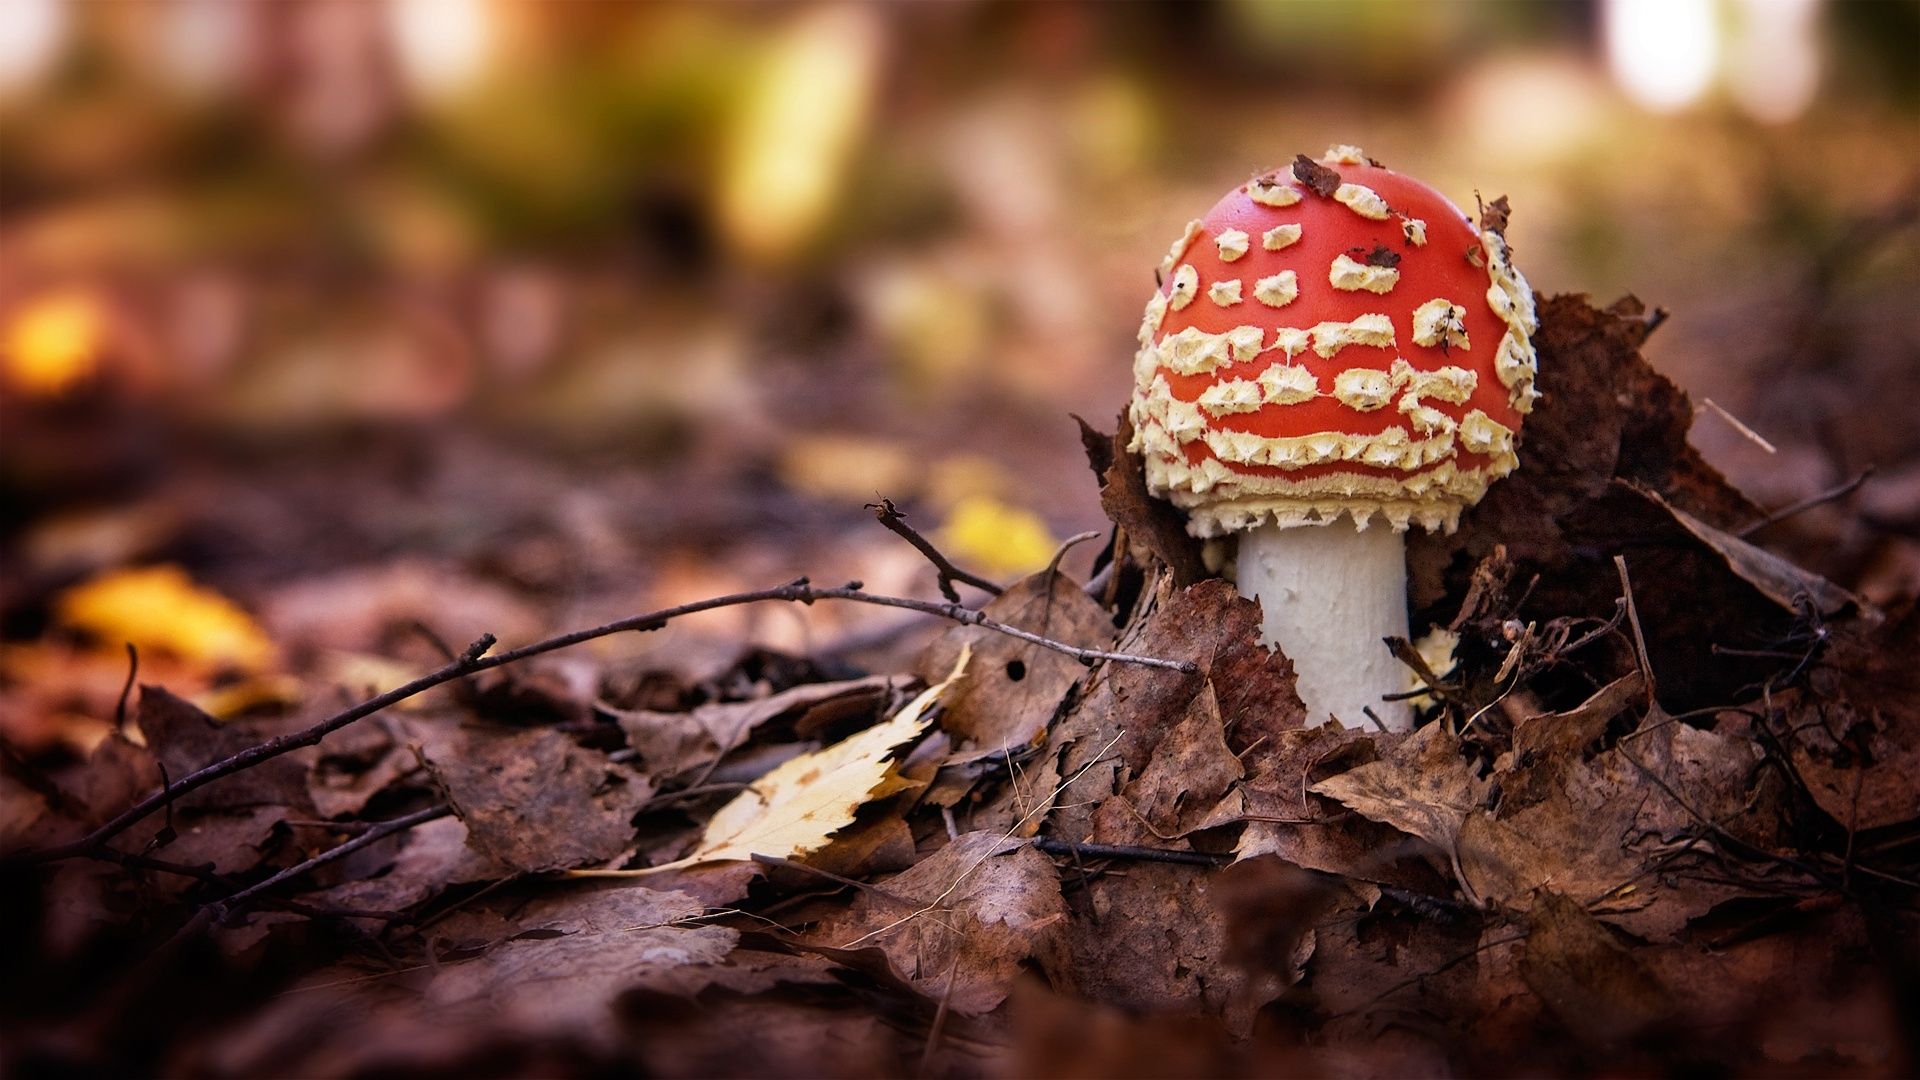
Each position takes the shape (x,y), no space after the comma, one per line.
(1662,810)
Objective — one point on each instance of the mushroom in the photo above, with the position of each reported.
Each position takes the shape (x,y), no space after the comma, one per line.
(1337,354)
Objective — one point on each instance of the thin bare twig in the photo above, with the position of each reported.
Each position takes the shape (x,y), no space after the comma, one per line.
(800,867)
(206,875)
(1054,845)
(475,659)
(896,523)
(1808,503)
(224,908)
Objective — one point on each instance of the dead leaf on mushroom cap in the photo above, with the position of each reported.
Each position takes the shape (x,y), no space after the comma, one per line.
(1495,215)
(1320,179)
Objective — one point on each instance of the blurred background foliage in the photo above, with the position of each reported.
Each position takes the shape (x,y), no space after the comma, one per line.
(604,304)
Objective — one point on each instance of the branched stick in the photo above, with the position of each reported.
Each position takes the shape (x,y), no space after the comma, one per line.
(896,523)
(475,659)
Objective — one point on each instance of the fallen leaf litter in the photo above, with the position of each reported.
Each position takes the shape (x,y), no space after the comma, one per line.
(1668,786)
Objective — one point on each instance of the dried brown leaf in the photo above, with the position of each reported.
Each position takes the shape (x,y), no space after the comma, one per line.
(114,776)
(184,739)
(1854,735)
(1378,962)
(1127,712)
(1152,524)
(1565,734)
(1057,1033)
(1495,215)
(962,924)
(228,841)
(554,977)
(535,800)
(1189,773)
(1421,786)
(675,743)
(578,951)
(1014,688)
(1279,817)
(413,866)
(1271,909)
(1547,745)
(881,844)
(1156,939)
(1600,828)
(357,763)
(1098,446)
(1590,981)
(1607,430)
(1604,413)
(1320,179)
(1779,580)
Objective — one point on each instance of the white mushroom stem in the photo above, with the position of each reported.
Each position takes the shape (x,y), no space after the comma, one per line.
(1329,594)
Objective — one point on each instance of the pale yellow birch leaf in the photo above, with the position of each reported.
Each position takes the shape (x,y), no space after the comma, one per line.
(798,806)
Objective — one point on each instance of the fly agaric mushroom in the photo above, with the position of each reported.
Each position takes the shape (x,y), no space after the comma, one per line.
(1335,354)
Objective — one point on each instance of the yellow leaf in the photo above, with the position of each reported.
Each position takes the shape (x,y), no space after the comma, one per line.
(995,538)
(160,609)
(798,806)
(53,342)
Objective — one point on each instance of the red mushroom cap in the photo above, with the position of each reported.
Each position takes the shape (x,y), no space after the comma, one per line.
(1333,338)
